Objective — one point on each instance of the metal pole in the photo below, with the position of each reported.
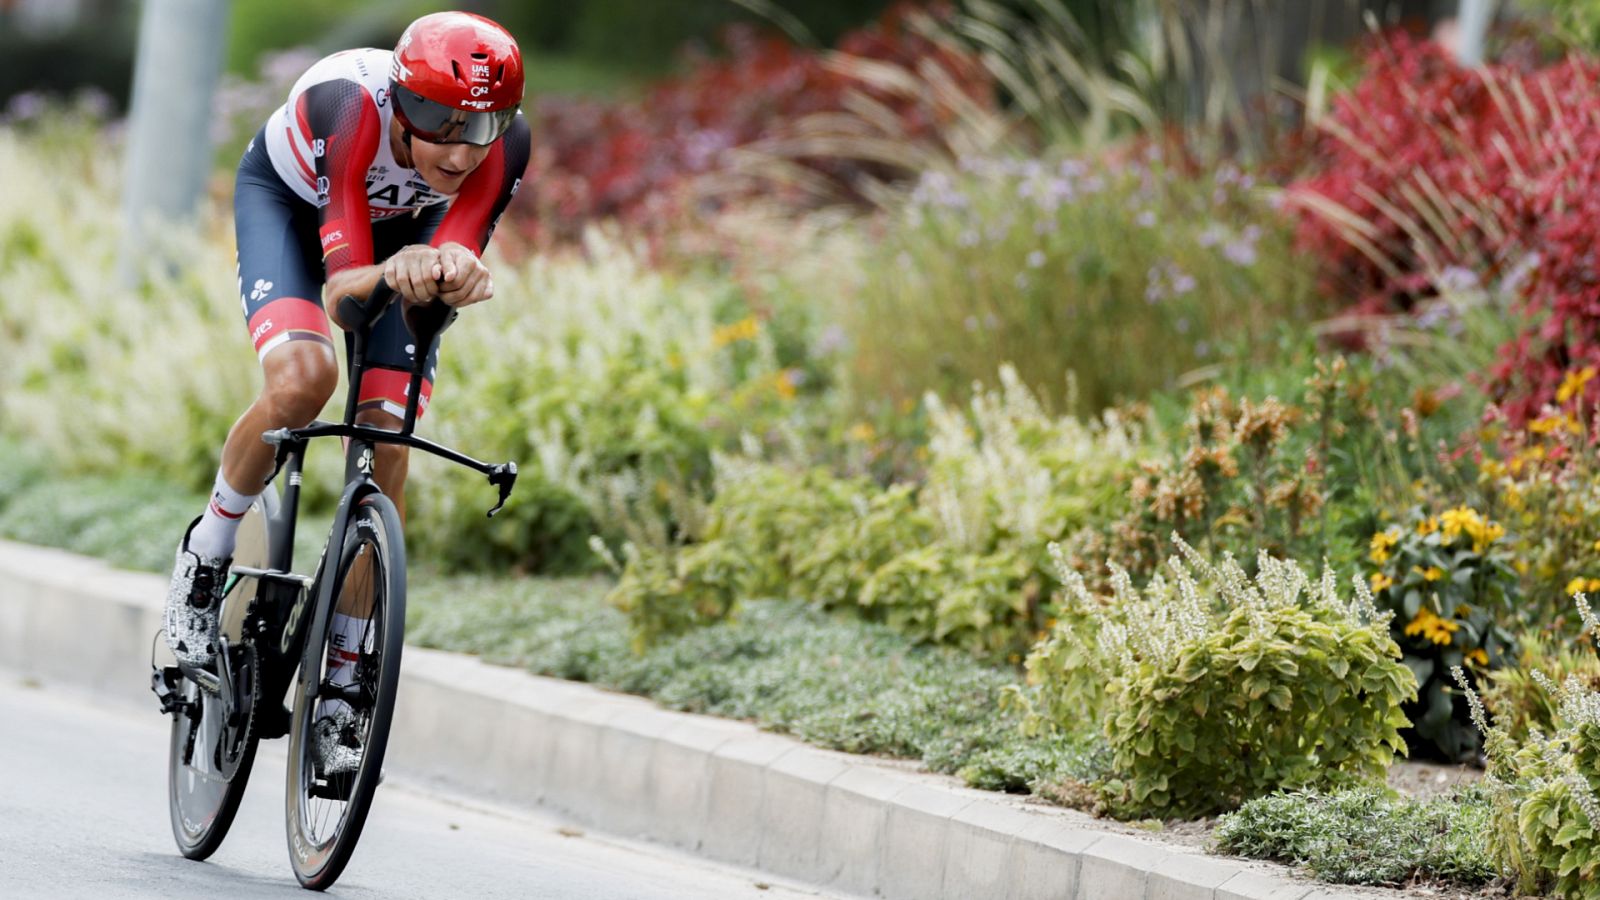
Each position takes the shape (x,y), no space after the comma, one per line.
(1473,22)
(181,46)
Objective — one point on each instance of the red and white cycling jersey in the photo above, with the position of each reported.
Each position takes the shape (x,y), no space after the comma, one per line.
(331,145)
(392,189)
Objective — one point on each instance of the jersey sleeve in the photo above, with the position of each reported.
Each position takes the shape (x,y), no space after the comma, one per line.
(487,191)
(340,122)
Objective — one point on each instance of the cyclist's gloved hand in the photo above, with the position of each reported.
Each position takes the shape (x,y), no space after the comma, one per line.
(414,273)
(464,280)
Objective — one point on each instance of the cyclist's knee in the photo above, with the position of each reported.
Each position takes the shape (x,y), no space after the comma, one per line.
(299,381)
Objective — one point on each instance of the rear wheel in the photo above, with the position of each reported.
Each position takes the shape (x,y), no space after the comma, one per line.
(325,813)
(212,750)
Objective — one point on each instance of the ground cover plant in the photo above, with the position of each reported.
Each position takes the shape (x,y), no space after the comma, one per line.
(1367,835)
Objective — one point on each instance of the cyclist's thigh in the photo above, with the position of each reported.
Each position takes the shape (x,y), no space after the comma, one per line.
(280,265)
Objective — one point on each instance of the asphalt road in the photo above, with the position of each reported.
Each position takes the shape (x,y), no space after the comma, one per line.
(83,813)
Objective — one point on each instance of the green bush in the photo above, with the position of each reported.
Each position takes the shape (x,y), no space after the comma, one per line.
(944,595)
(1216,688)
(1546,821)
(954,560)
(1448,580)
(849,550)
(1128,275)
(1513,696)
(1367,835)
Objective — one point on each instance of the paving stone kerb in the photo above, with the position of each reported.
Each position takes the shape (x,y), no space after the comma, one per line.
(619,763)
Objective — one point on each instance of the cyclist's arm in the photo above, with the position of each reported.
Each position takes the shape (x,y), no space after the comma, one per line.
(486,192)
(340,123)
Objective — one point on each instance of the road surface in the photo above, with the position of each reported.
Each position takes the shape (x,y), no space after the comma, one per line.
(83,813)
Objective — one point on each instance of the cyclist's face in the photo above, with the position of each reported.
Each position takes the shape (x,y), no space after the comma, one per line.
(445,166)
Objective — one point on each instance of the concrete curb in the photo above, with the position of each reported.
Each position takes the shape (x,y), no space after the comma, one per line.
(720,788)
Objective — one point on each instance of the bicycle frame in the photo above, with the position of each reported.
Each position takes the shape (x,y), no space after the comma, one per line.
(288,603)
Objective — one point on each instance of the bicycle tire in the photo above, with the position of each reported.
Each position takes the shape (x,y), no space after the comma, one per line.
(204,790)
(319,856)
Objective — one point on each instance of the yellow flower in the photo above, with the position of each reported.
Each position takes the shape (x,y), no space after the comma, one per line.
(1478,656)
(1440,631)
(1431,573)
(1521,566)
(1382,543)
(1596,545)
(1575,586)
(1492,468)
(861,433)
(1381,582)
(745,329)
(1428,526)
(784,383)
(1549,424)
(1572,385)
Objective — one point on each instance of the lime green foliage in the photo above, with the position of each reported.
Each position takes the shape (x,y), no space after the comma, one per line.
(1367,835)
(942,594)
(953,561)
(1127,275)
(1546,825)
(1213,687)
(1448,580)
(842,684)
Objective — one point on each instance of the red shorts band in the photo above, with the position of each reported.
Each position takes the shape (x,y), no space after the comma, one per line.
(385,389)
(288,319)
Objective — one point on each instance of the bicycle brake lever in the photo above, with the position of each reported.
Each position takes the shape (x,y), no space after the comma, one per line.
(278,438)
(504,477)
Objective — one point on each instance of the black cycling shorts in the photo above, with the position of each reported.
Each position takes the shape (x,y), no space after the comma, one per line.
(281,278)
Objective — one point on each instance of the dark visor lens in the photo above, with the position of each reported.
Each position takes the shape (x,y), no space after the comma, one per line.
(439,124)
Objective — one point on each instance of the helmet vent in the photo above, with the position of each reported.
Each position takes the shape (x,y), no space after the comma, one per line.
(480,57)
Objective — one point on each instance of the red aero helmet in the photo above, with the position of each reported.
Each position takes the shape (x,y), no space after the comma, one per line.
(457,79)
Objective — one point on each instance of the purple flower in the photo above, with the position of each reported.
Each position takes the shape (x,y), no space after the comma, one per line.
(1241,252)
(24,106)
(1146,219)
(1035,259)
(1213,235)
(1455,279)
(1182,282)
(1021,281)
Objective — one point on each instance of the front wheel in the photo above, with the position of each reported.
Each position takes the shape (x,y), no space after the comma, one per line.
(325,811)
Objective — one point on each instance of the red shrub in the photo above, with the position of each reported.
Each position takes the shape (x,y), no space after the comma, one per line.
(1427,166)
(633,160)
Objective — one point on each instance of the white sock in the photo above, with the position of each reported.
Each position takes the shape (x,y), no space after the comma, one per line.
(219,527)
(344,647)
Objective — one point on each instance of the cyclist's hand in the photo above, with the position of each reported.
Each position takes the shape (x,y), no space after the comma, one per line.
(414,273)
(465,279)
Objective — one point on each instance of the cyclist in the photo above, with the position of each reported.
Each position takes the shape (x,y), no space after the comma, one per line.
(380,164)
